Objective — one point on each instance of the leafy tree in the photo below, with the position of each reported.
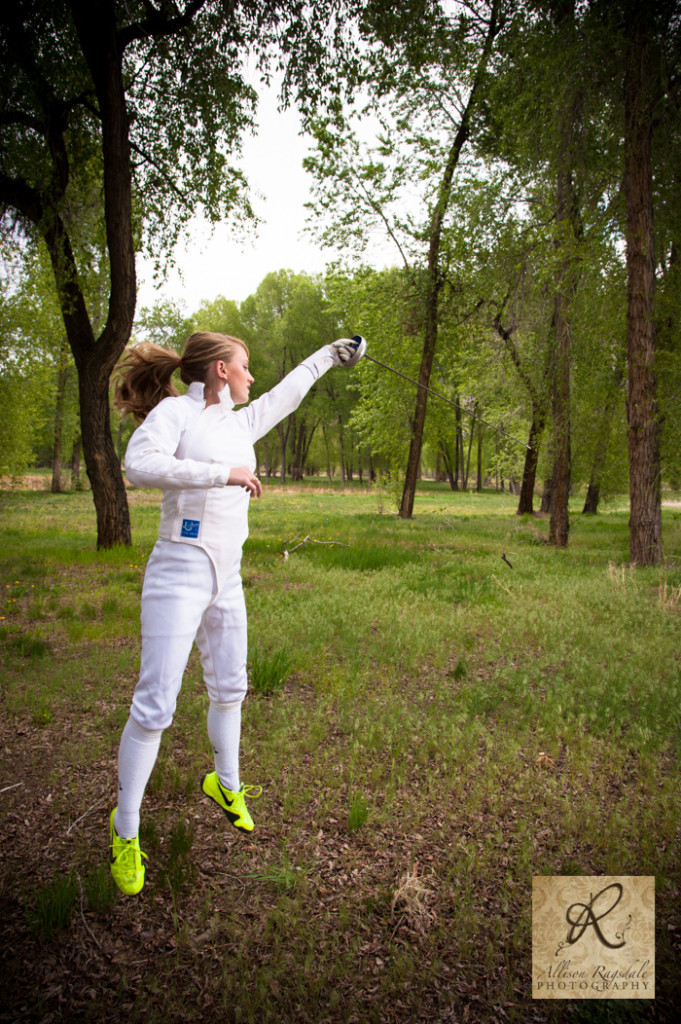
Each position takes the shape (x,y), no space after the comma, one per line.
(25,388)
(33,368)
(165,324)
(545,119)
(599,366)
(148,100)
(638,45)
(426,77)
(221,315)
(650,35)
(389,312)
(499,228)
(286,319)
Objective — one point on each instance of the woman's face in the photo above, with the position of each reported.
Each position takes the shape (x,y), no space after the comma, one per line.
(239,379)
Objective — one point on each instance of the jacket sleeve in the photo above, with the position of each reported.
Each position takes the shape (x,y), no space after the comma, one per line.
(268,410)
(150,457)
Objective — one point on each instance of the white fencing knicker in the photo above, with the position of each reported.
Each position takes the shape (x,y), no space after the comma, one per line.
(180,606)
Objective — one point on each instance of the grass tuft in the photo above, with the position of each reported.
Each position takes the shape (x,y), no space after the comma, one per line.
(100,889)
(270,672)
(358,814)
(459,671)
(285,876)
(54,906)
(32,648)
(181,869)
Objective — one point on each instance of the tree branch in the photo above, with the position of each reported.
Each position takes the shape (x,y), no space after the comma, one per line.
(440,103)
(10,117)
(16,193)
(145,156)
(54,119)
(373,205)
(506,335)
(158,24)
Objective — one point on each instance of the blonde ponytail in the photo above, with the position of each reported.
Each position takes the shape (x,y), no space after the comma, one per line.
(145,371)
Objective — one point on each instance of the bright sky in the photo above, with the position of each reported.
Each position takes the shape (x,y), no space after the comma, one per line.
(222,264)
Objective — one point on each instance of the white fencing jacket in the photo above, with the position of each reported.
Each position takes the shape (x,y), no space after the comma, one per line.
(187,449)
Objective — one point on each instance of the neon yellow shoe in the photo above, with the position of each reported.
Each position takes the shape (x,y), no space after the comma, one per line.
(233,804)
(126,861)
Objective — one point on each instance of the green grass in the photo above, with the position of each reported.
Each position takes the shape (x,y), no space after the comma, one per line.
(358,813)
(285,875)
(270,672)
(101,890)
(418,710)
(54,906)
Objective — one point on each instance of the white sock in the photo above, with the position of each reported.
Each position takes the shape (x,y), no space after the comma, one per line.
(136,758)
(224,733)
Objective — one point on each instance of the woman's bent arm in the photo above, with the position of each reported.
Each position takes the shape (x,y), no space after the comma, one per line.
(150,459)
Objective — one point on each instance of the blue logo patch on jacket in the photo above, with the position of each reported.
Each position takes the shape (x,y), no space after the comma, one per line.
(190,528)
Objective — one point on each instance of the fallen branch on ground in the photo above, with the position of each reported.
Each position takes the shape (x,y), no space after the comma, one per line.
(13,786)
(84,815)
(309,540)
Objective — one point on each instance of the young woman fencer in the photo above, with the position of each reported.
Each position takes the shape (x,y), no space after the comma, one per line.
(198,449)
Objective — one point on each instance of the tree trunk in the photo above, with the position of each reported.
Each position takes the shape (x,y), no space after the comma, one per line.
(419,418)
(329,475)
(75,462)
(645,522)
(461,457)
(602,439)
(526,500)
(457,447)
(298,452)
(593,493)
(101,459)
(283,441)
(94,361)
(547,496)
(434,273)
(96,27)
(293,440)
(341,452)
(57,448)
(560,523)
(566,280)
(539,406)
(478,482)
(470,445)
(444,452)
(305,448)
